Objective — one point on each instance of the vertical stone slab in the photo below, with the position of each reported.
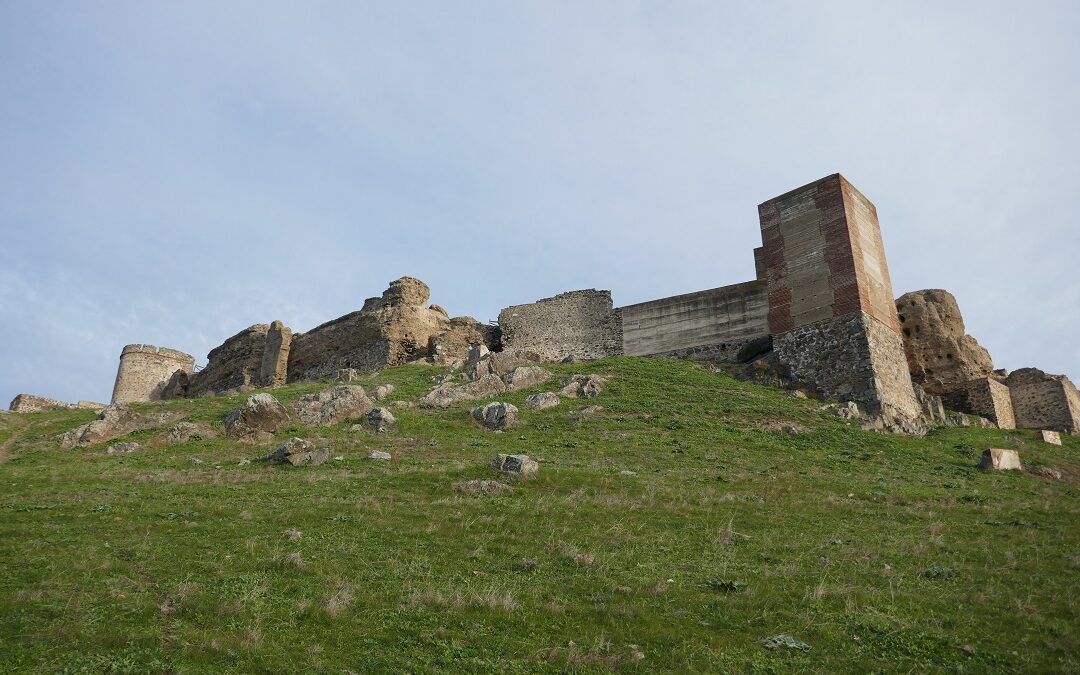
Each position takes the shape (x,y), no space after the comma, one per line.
(831,308)
(275,358)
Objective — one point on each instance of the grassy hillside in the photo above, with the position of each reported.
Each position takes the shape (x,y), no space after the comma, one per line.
(878,552)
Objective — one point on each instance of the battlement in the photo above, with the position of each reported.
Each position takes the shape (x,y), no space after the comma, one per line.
(161,352)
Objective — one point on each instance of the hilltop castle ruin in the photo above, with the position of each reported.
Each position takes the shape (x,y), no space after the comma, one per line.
(820,315)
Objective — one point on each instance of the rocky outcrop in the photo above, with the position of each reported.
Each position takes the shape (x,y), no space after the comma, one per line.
(583,386)
(940,355)
(380,419)
(258,419)
(390,330)
(333,406)
(542,401)
(449,393)
(526,377)
(255,357)
(112,421)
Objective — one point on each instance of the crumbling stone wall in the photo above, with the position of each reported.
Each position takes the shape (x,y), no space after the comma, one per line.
(713,324)
(577,325)
(145,371)
(941,356)
(986,397)
(1044,401)
(831,308)
(32,403)
(255,357)
(395,328)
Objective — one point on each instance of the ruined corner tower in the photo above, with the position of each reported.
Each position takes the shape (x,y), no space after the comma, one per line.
(831,309)
(145,371)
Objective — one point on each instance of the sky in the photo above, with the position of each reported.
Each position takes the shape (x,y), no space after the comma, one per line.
(171,173)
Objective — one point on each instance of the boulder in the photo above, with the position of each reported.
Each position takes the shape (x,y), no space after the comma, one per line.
(122,448)
(382,392)
(187,431)
(380,419)
(999,459)
(496,416)
(258,419)
(542,401)
(333,406)
(380,455)
(448,393)
(941,357)
(298,452)
(497,363)
(1051,437)
(583,386)
(521,466)
(526,377)
(111,422)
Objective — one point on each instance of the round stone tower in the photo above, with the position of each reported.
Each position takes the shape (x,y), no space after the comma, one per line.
(145,370)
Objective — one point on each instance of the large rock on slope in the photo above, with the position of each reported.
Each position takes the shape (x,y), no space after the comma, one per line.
(112,422)
(258,419)
(496,416)
(298,452)
(333,406)
(448,393)
(940,355)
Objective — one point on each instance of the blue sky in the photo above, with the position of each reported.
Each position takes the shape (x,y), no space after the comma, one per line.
(171,173)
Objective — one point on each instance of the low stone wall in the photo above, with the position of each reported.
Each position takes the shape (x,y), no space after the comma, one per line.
(713,324)
(577,325)
(1044,401)
(985,397)
(27,403)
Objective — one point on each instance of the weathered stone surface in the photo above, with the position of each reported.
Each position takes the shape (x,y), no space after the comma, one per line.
(27,403)
(583,386)
(258,419)
(1051,437)
(122,449)
(448,393)
(395,328)
(382,392)
(496,416)
(380,419)
(348,375)
(1044,472)
(542,401)
(932,408)
(333,406)
(940,356)
(998,459)
(187,431)
(460,336)
(715,324)
(577,325)
(521,466)
(112,422)
(380,455)
(1044,401)
(986,397)
(298,452)
(145,371)
(498,363)
(526,377)
(255,357)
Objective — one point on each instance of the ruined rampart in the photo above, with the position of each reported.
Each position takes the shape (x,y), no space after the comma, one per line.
(578,325)
(1044,401)
(713,324)
(145,371)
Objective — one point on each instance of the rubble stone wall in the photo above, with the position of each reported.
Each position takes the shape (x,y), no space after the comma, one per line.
(577,325)
(713,324)
(985,397)
(1044,401)
(145,371)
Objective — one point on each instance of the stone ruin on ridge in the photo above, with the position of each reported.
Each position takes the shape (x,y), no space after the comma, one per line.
(820,316)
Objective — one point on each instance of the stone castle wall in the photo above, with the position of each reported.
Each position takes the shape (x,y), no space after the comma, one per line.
(985,397)
(145,371)
(577,325)
(1044,401)
(255,357)
(713,324)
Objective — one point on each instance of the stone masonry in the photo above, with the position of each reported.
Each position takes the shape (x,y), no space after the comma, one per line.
(578,325)
(145,371)
(984,396)
(1044,401)
(831,308)
(255,357)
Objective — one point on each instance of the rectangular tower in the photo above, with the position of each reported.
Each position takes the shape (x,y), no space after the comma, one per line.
(831,307)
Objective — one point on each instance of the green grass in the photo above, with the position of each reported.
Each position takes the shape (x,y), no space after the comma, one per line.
(879,552)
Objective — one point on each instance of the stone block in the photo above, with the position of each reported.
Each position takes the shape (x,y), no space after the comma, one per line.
(998,459)
(1051,437)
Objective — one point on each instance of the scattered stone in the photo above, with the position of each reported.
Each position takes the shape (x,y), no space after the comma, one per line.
(999,459)
(1044,472)
(243,462)
(448,394)
(848,411)
(348,375)
(785,641)
(258,419)
(496,416)
(526,377)
(798,393)
(542,401)
(403,405)
(515,465)
(298,452)
(590,409)
(187,431)
(112,422)
(1051,437)
(932,407)
(627,472)
(380,419)
(122,448)
(379,454)
(382,392)
(333,406)
(293,534)
(339,458)
(195,460)
(584,386)
(482,487)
